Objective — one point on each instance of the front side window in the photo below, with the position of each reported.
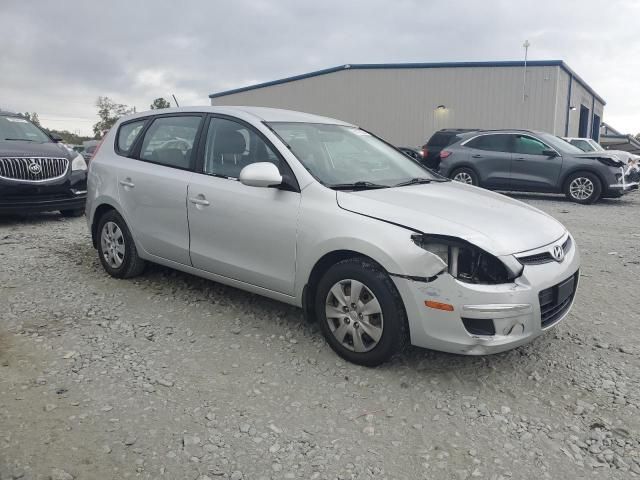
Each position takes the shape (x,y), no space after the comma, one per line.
(529,146)
(20,129)
(231,146)
(127,135)
(338,155)
(491,143)
(169,141)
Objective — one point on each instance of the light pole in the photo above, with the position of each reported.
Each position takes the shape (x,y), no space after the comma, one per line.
(526,46)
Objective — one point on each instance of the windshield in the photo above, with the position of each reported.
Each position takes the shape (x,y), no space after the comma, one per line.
(339,155)
(558,143)
(18,128)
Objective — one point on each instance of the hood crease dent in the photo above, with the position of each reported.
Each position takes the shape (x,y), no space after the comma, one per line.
(493,222)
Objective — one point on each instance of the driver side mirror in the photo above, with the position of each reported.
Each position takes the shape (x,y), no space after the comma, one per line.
(550,153)
(55,137)
(261,174)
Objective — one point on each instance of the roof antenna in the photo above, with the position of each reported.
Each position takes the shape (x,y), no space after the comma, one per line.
(175,100)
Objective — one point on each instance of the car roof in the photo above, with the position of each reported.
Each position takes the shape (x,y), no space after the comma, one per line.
(4,113)
(261,114)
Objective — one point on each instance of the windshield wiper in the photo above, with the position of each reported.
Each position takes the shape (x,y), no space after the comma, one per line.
(357,186)
(19,140)
(414,181)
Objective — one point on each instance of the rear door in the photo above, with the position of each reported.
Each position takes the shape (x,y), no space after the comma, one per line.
(490,156)
(532,170)
(153,183)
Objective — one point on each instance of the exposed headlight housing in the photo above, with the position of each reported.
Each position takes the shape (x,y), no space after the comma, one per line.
(78,163)
(465,261)
(610,162)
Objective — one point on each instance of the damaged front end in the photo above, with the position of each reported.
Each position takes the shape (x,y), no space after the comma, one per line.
(466,262)
(627,174)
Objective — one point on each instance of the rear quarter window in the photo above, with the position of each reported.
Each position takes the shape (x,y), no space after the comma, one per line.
(127,135)
(440,139)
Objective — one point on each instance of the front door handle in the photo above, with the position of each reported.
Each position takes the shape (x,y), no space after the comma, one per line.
(520,159)
(127,183)
(476,156)
(200,200)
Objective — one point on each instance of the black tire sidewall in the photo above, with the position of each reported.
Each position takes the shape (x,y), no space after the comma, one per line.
(394,316)
(129,252)
(471,172)
(597,187)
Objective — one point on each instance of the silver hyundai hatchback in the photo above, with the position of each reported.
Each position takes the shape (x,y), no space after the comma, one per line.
(321,214)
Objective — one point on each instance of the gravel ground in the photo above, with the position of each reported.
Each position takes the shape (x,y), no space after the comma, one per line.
(171,376)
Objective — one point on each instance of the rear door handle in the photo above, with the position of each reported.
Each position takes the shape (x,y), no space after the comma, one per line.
(199,201)
(127,183)
(476,156)
(520,159)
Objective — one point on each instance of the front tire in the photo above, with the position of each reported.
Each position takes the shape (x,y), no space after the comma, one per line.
(583,187)
(465,175)
(116,248)
(360,312)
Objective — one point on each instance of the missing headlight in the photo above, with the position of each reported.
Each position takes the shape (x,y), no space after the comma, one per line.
(465,261)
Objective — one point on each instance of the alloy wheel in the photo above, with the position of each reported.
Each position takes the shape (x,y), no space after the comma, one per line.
(581,188)
(354,315)
(463,177)
(112,242)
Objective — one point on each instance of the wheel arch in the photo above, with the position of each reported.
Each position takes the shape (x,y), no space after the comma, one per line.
(318,270)
(99,211)
(468,165)
(565,177)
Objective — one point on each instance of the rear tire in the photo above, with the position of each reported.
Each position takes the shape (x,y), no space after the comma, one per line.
(583,187)
(116,248)
(465,175)
(78,212)
(376,328)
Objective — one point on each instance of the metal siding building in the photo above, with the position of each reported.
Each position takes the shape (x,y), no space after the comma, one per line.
(400,101)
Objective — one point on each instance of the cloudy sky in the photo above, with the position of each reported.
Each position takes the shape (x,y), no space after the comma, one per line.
(56,57)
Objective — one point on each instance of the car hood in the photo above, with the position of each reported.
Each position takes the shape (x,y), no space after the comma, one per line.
(498,224)
(32,149)
(611,154)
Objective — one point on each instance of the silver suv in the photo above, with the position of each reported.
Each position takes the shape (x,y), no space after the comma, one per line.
(323,215)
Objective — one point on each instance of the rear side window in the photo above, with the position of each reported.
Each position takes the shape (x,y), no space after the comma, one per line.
(441,139)
(492,143)
(529,145)
(169,141)
(127,135)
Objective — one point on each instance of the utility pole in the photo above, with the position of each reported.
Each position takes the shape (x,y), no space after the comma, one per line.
(526,46)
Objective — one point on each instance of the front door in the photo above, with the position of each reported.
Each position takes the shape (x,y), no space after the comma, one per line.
(153,186)
(241,232)
(531,168)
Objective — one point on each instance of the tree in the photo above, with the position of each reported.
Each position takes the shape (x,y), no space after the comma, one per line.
(108,112)
(32,117)
(159,103)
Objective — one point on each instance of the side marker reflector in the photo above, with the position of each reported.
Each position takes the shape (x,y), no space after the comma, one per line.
(439,306)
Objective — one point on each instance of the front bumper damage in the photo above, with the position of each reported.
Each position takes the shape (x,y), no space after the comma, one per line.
(627,180)
(489,319)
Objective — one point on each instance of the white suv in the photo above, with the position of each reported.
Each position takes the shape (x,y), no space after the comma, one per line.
(323,215)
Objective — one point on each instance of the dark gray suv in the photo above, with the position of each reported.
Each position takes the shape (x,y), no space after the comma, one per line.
(530,161)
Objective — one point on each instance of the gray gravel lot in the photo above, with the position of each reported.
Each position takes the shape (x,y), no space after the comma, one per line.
(171,376)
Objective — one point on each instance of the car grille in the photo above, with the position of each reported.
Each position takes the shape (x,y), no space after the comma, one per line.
(33,169)
(556,300)
(544,257)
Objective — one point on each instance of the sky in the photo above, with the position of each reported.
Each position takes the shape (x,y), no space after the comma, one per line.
(57,57)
